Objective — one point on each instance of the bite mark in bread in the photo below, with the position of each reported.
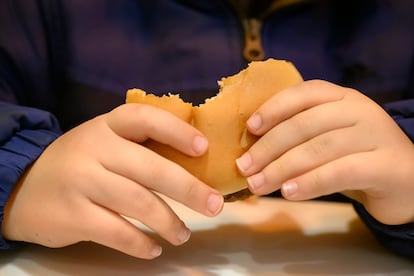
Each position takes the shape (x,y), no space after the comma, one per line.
(222,119)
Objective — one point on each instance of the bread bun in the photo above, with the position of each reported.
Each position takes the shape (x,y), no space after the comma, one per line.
(222,119)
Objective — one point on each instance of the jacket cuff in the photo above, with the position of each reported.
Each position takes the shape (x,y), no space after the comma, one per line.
(15,156)
(403,114)
(396,238)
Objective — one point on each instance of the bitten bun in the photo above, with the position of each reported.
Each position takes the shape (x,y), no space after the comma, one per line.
(222,119)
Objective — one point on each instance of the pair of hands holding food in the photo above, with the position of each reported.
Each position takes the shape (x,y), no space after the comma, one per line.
(317,139)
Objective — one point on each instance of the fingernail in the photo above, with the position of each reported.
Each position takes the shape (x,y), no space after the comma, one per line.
(184,235)
(254,122)
(214,203)
(289,189)
(244,162)
(200,144)
(256,181)
(156,251)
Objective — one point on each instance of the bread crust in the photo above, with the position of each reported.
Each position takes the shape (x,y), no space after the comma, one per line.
(222,119)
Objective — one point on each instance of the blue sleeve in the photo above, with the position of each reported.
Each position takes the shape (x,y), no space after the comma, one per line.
(403,113)
(397,238)
(24,134)
(24,80)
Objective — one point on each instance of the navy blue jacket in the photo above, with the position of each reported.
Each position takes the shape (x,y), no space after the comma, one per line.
(75,59)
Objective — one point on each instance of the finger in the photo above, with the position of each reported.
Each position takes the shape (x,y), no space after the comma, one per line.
(128,198)
(307,156)
(345,174)
(162,175)
(109,229)
(138,122)
(361,177)
(292,132)
(291,101)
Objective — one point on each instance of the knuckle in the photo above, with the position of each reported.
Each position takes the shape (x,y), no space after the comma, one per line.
(317,149)
(349,170)
(123,238)
(315,183)
(155,170)
(301,125)
(330,90)
(139,111)
(263,152)
(317,82)
(319,85)
(127,117)
(147,204)
(131,243)
(278,172)
(266,146)
(190,191)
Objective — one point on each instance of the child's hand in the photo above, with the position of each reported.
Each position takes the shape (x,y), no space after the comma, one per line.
(319,138)
(87,180)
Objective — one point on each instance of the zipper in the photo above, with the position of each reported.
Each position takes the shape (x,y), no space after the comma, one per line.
(252,26)
(253,48)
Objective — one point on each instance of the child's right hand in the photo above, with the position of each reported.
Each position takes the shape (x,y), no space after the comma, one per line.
(83,184)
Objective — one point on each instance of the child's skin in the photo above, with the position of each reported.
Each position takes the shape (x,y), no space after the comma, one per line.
(84,180)
(317,138)
(320,138)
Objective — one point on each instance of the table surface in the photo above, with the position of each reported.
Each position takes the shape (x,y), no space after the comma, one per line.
(257,237)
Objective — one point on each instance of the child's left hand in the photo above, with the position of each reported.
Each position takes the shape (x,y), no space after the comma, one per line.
(320,138)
